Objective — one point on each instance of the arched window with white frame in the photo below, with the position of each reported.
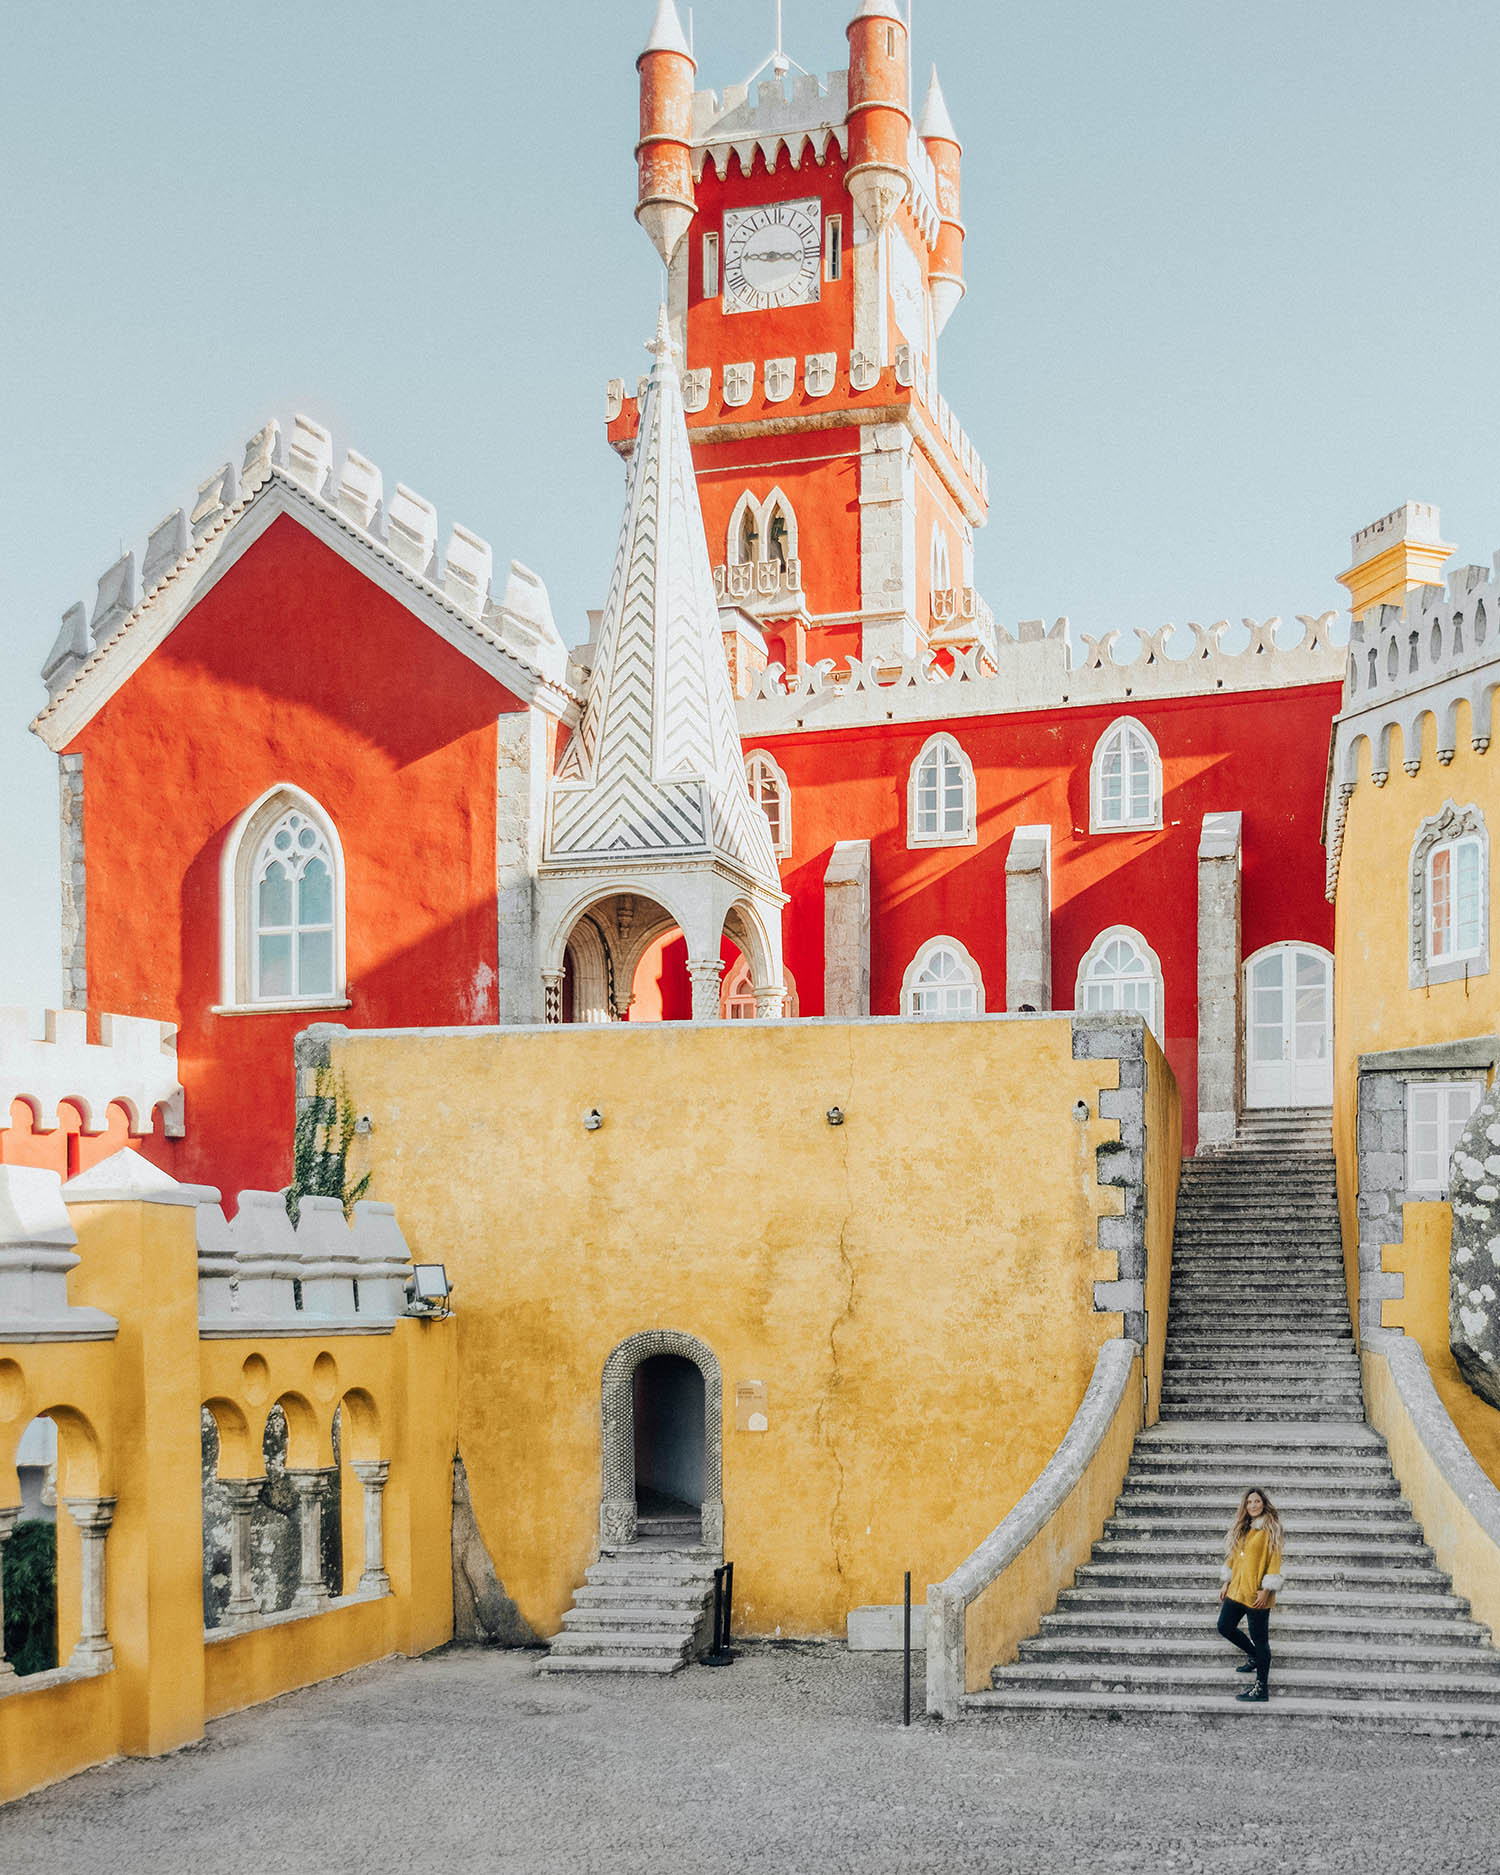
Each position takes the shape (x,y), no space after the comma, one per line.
(282,906)
(940,796)
(761,532)
(737,995)
(942,980)
(1120,971)
(1125,778)
(1450,896)
(771,794)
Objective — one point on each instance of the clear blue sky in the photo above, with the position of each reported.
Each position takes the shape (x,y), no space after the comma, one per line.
(1233,291)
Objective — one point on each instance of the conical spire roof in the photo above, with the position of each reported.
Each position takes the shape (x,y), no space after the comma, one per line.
(656,768)
(935,121)
(666,32)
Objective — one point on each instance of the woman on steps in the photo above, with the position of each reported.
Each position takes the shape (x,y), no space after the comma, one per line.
(1250,1578)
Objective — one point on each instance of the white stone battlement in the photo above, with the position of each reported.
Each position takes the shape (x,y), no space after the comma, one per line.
(820,374)
(132,1065)
(1413,520)
(403,528)
(805,115)
(259,1274)
(1406,664)
(1036,669)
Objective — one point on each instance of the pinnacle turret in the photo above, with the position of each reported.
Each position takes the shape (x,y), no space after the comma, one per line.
(666,32)
(935,122)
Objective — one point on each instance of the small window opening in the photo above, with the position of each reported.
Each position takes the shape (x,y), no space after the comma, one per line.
(776,537)
(833,248)
(749,535)
(710,266)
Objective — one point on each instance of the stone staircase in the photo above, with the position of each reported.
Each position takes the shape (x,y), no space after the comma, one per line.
(1262,1387)
(643,1608)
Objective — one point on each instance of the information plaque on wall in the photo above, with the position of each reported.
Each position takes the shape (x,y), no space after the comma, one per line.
(750,1409)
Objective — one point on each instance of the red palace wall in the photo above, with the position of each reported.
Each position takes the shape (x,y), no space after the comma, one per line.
(1262,754)
(294,668)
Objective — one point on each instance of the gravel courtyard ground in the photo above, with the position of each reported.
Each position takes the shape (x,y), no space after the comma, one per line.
(792,1760)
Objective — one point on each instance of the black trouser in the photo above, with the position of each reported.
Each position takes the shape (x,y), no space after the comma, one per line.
(1258,1647)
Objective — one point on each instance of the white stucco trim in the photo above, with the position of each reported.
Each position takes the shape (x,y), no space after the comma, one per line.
(919,963)
(969,835)
(1156,1021)
(1145,823)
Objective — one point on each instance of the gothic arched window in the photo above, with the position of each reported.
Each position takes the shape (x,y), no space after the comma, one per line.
(940,806)
(942,980)
(1125,783)
(769,791)
(282,923)
(1121,971)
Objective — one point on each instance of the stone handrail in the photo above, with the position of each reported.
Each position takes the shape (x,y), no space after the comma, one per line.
(1451,1495)
(1022,1566)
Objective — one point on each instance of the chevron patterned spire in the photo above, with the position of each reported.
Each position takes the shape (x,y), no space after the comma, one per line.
(656,768)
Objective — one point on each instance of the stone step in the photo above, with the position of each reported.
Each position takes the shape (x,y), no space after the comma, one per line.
(1231,1455)
(629,1594)
(627,1641)
(664,1569)
(649,1617)
(1292,1622)
(1266,1363)
(1445,1719)
(1297,1507)
(1307,1532)
(1255,1436)
(1298,1411)
(610,1663)
(1452,1686)
(1331,1653)
(1318,1550)
(1150,1574)
(1315,1599)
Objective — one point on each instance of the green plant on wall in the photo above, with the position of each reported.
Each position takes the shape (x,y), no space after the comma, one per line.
(320,1146)
(30,1587)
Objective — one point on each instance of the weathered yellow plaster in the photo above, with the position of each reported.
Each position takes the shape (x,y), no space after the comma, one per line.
(914,1287)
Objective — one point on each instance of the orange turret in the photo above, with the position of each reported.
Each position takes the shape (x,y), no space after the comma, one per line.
(879,121)
(940,140)
(666,202)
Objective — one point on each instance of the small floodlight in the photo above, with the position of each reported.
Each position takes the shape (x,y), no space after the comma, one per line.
(593,1120)
(428,1291)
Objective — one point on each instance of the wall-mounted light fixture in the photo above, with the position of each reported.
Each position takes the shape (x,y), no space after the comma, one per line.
(428,1290)
(593,1120)
(1080,1110)
(364,1125)
(835,1116)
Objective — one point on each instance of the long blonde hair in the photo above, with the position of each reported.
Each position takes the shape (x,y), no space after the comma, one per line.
(1242,1521)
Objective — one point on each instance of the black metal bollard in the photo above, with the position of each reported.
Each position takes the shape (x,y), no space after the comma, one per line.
(906,1653)
(721,1654)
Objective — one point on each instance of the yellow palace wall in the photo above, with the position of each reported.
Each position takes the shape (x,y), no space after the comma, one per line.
(1375,1009)
(914,1287)
(128,1417)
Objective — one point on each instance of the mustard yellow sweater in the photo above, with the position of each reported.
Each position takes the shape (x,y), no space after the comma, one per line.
(1254,1564)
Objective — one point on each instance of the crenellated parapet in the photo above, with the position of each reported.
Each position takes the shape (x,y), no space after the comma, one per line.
(1038,669)
(260,1274)
(772,120)
(509,627)
(133,1065)
(1435,657)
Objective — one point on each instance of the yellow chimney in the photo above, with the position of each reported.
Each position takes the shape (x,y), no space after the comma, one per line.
(1392,555)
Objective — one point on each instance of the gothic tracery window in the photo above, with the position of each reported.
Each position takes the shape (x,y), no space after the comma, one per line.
(284,905)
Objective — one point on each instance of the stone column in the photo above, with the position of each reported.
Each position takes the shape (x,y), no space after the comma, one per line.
(552,995)
(770,999)
(705,973)
(372,1474)
(846,931)
(244,1495)
(7,1524)
(93,1515)
(1220,1028)
(1028,919)
(312,1590)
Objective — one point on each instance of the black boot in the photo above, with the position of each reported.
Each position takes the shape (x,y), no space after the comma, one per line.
(1245,1666)
(1256,1695)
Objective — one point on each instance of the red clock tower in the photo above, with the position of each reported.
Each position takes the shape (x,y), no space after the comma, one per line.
(814,252)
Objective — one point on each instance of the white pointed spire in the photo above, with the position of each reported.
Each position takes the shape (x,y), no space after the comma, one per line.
(656,769)
(935,121)
(666,32)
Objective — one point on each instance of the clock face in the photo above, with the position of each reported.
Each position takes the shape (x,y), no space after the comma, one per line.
(773,255)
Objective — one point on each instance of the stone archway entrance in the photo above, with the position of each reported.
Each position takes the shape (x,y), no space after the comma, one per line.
(663,1427)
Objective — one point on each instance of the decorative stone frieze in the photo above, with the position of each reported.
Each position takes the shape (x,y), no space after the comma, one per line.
(133,1065)
(739,381)
(780,379)
(820,372)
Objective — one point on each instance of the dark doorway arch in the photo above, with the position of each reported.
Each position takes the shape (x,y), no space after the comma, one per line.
(679,1442)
